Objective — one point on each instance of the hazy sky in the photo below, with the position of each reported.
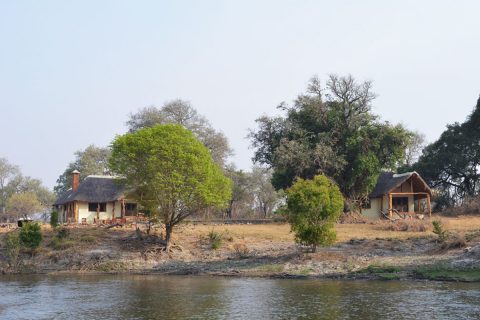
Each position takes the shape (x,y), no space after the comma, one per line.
(71,71)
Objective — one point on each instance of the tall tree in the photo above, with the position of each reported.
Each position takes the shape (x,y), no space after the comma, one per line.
(265,196)
(452,163)
(8,174)
(91,161)
(23,204)
(330,131)
(172,171)
(182,113)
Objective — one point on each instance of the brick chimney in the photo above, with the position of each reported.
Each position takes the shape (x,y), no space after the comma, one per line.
(75,180)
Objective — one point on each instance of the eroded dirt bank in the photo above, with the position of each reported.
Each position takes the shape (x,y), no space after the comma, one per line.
(363,251)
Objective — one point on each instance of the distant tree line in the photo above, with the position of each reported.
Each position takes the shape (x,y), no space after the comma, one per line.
(252,193)
(21,195)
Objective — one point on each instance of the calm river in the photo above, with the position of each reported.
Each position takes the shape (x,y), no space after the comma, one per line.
(175,297)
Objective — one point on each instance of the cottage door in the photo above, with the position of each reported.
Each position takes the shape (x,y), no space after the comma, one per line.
(400,204)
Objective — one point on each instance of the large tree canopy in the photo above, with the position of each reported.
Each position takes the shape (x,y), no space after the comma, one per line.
(182,113)
(330,131)
(91,161)
(452,163)
(172,172)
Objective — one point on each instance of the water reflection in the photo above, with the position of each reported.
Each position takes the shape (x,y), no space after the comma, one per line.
(158,297)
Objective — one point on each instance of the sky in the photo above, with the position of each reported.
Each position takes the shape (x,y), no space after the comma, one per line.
(72,71)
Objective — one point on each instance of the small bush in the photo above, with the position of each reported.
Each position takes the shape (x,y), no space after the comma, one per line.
(241,249)
(439,230)
(314,206)
(454,241)
(54,219)
(215,239)
(31,235)
(12,248)
(88,239)
(63,233)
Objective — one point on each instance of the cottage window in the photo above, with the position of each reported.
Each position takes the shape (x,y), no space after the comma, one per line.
(102,206)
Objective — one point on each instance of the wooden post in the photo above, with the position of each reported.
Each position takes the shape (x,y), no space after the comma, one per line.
(429,207)
(75,210)
(390,205)
(418,203)
(113,211)
(123,208)
(98,211)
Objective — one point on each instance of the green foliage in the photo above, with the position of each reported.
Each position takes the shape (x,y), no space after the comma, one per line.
(450,164)
(12,248)
(313,207)
(182,113)
(23,204)
(92,160)
(54,219)
(331,131)
(31,235)
(63,233)
(172,173)
(439,231)
(216,239)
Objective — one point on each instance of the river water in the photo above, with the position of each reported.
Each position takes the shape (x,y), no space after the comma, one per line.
(178,297)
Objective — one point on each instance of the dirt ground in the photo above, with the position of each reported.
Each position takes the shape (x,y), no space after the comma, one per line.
(266,250)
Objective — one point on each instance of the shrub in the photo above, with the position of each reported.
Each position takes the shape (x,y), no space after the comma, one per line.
(31,235)
(215,239)
(241,249)
(54,219)
(454,241)
(63,233)
(313,208)
(439,230)
(88,239)
(12,248)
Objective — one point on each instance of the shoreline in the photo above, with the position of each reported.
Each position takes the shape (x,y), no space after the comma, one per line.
(256,251)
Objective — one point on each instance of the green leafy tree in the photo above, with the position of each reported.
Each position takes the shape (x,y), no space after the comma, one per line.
(23,204)
(452,163)
(8,174)
(171,171)
(12,248)
(313,207)
(31,235)
(330,131)
(182,113)
(54,219)
(91,161)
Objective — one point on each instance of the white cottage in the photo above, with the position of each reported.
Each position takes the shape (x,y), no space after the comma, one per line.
(405,193)
(97,199)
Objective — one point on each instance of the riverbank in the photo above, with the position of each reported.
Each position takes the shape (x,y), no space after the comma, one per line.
(362,251)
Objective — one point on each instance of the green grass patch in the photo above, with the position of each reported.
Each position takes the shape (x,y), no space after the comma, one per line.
(442,273)
(269,268)
(382,272)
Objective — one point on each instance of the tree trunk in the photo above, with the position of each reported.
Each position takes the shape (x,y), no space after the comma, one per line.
(314,248)
(168,236)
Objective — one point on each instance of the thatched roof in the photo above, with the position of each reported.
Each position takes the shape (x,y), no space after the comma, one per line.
(95,189)
(388,181)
